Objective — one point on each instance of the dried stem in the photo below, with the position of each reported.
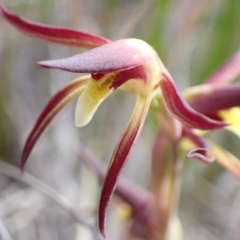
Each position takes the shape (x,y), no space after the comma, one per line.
(14,172)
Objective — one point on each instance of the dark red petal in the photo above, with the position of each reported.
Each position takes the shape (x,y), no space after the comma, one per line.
(57,102)
(201,153)
(182,111)
(228,72)
(115,56)
(209,99)
(134,195)
(120,156)
(51,34)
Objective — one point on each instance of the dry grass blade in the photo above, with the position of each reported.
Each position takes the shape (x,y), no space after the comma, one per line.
(4,233)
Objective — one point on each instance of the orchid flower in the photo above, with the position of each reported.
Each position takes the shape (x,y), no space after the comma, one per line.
(219,102)
(131,65)
(218,99)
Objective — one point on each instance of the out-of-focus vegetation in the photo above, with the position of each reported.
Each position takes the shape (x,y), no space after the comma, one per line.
(192,37)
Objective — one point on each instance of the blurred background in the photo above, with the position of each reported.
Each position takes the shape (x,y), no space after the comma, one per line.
(192,38)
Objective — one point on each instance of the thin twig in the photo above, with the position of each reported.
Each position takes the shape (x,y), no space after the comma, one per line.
(14,172)
(134,18)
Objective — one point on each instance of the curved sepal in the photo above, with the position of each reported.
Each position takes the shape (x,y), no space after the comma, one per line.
(120,155)
(114,56)
(127,190)
(201,153)
(131,193)
(57,102)
(182,111)
(51,34)
(209,99)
